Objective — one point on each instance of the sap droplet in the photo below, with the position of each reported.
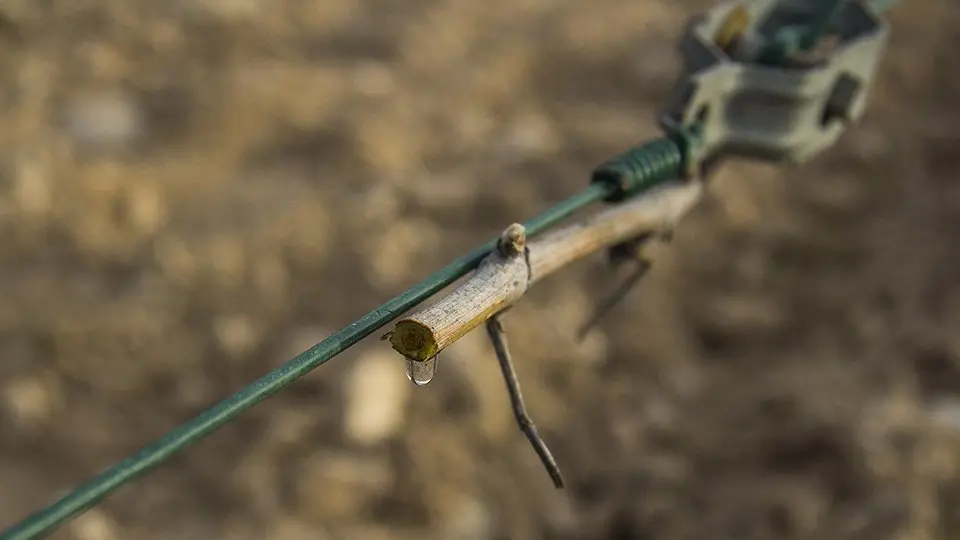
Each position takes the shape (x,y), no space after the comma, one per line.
(421,373)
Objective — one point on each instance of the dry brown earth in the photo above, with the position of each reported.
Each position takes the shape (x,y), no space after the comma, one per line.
(193,191)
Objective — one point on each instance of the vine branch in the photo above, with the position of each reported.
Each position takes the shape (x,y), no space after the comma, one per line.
(505,275)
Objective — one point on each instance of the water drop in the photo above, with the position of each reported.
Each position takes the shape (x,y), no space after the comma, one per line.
(421,373)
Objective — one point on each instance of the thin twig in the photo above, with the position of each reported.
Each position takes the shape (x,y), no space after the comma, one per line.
(642,266)
(498,338)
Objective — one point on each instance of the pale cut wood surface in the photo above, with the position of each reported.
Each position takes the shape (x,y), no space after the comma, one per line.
(502,279)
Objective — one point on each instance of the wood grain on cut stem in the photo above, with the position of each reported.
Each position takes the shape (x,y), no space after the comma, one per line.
(504,276)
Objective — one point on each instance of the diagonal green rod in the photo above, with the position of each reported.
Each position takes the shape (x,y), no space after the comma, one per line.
(638,169)
(87,495)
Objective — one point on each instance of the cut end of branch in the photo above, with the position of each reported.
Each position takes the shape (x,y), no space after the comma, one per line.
(414,340)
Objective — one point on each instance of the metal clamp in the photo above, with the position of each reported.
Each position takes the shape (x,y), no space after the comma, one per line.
(774,80)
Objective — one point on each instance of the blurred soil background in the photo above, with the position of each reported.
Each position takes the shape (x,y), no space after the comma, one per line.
(193,191)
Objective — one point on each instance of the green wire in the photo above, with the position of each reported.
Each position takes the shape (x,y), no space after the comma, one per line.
(661,165)
(87,495)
